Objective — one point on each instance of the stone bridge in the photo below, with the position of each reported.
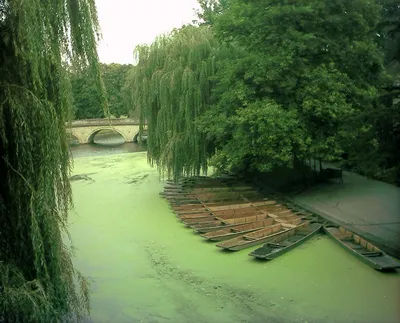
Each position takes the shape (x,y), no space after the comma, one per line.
(85,130)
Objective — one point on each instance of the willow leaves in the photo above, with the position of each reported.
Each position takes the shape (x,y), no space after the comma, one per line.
(37,40)
(171,87)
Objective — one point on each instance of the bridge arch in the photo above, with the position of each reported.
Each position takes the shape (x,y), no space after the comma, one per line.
(86,130)
(72,139)
(136,137)
(93,133)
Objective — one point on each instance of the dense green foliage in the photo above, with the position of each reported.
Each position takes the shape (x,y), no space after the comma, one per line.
(37,280)
(317,63)
(293,80)
(375,152)
(87,97)
(171,88)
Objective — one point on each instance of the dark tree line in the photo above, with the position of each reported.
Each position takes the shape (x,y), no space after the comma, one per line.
(87,97)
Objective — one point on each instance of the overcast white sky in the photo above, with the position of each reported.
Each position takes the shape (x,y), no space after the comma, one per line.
(127,23)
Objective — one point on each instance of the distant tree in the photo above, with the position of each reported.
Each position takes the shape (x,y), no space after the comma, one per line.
(87,98)
(114,77)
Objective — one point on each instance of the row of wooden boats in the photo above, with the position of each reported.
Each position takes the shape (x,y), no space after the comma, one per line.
(237,216)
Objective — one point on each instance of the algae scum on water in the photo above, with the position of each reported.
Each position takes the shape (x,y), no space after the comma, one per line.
(147,267)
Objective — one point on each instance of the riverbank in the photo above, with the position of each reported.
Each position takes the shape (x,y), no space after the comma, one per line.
(365,206)
(147,267)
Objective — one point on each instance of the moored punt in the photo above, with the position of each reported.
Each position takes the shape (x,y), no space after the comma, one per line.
(195,221)
(211,218)
(197,205)
(221,224)
(195,216)
(198,218)
(216,190)
(226,213)
(256,237)
(204,181)
(210,198)
(286,241)
(228,216)
(258,209)
(244,204)
(362,249)
(237,230)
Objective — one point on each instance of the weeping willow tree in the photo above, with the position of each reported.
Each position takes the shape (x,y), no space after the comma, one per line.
(171,87)
(37,280)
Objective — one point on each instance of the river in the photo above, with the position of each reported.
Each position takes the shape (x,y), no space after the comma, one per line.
(147,267)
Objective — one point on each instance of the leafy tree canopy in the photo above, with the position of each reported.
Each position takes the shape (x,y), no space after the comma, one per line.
(316,60)
(87,98)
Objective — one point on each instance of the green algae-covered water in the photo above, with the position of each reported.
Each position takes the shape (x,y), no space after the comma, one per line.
(147,267)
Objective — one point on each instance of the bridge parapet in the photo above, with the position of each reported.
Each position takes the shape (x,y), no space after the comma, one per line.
(102,122)
(86,130)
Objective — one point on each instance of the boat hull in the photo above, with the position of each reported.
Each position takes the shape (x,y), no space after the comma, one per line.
(377,259)
(273,252)
(243,244)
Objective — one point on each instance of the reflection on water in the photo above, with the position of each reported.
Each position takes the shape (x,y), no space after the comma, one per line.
(105,143)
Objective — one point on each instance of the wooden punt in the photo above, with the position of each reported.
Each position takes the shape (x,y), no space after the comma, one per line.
(286,241)
(210,199)
(195,221)
(219,191)
(237,230)
(271,208)
(257,237)
(203,181)
(195,215)
(226,214)
(221,224)
(194,206)
(220,217)
(191,219)
(362,249)
(206,193)
(243,204)
(212,218)
(222,206)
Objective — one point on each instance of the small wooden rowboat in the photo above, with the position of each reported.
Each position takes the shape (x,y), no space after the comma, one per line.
(362,249)
(221,224)
(210,220)
(235,213)
(237,230)
(286,241)
(189,208)
(190,221)
(257,237)
(216,210)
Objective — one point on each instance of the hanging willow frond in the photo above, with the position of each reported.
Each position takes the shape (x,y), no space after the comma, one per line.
(37,37)
(171,87)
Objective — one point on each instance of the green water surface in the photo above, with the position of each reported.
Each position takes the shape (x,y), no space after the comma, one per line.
(147,267)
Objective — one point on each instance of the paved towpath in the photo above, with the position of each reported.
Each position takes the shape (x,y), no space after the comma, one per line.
(368,207)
